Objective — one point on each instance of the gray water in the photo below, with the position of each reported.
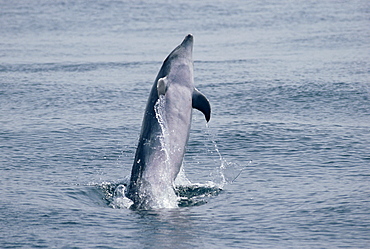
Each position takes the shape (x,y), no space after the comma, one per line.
(289,86)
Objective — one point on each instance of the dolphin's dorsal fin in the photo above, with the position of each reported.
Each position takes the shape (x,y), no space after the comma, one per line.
(162,86)
(201,103)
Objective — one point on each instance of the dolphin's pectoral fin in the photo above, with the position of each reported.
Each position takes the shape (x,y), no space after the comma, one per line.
(162,86)
(201,103)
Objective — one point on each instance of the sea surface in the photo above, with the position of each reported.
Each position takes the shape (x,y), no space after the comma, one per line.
(288,141)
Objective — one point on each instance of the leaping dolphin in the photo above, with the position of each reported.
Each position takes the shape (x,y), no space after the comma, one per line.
(156,164)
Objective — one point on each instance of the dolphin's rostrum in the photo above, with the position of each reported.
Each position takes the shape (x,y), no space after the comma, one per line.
(157,160)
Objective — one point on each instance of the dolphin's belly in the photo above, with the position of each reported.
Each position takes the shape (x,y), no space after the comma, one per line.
(178,118)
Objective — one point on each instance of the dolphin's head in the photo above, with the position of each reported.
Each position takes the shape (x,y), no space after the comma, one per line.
(177,67)
(187,45)
(184,50)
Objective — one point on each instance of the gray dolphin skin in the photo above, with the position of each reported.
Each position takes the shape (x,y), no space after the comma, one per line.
(159,157)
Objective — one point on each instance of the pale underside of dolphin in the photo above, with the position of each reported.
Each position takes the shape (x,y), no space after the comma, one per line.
(155,168)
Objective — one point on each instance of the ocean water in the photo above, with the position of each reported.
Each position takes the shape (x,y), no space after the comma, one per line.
(289,136)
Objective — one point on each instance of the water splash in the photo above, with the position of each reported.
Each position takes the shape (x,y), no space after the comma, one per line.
(181,179)
(187,195)
(159,108)
(228,171)
(115,194)
(164,196)
(120,200)
(184,193)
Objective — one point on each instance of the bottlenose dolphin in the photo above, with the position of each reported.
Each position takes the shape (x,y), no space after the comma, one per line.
(159,156)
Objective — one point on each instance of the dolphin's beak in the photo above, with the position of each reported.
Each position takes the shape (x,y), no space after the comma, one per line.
(188,41)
